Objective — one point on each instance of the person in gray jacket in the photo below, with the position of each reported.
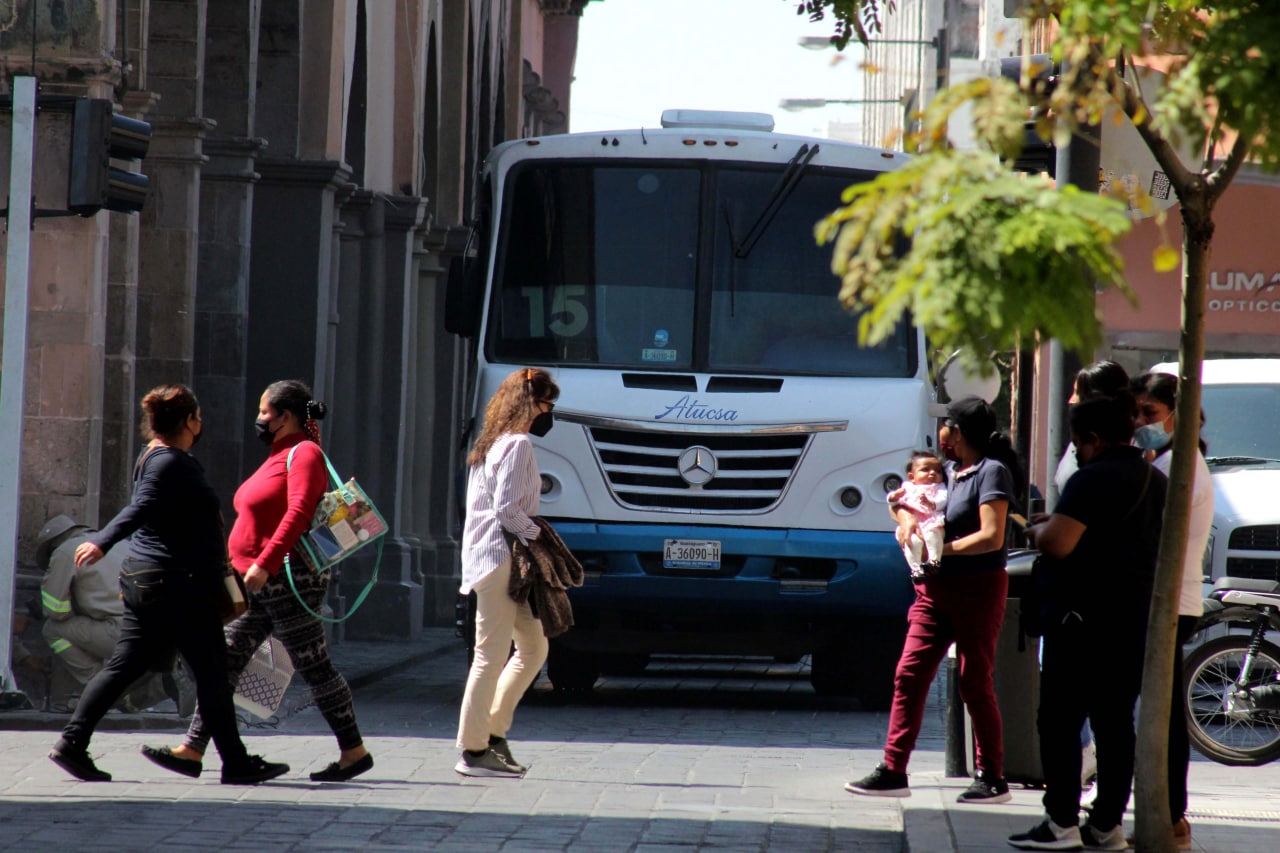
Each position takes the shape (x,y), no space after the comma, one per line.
(83,612)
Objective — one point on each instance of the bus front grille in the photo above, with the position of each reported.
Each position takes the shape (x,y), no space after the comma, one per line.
(743,473)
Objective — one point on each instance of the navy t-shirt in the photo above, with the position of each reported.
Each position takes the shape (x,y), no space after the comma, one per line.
(987,481)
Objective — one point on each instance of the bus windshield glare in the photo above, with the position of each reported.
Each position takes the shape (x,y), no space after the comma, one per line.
(644,267)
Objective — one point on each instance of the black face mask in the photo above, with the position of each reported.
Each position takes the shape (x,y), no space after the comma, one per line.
(196,436)
(542,424)
(265,435)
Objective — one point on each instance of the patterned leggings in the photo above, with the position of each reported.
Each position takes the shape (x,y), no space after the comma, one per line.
(275,610)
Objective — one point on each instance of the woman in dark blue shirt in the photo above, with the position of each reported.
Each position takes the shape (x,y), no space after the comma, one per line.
(169,583)
(962,603)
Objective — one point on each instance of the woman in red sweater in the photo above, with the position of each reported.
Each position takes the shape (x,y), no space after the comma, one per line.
(274,507)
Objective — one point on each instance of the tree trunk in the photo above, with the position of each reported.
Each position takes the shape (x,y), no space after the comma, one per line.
(1151,804)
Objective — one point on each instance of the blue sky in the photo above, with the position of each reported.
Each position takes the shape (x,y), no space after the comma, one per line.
(639,57)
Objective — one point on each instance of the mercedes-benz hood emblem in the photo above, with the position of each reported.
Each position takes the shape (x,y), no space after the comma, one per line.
(697,465)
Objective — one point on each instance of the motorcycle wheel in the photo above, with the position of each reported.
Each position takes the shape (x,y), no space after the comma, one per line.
(1226,730)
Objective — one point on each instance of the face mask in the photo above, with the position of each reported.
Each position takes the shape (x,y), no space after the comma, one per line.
(542,424)
(1152,437)
(265,435)
(948,450)
(196,436)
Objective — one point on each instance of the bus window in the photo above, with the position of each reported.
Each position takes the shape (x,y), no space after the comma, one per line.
(777,310)
(597,266)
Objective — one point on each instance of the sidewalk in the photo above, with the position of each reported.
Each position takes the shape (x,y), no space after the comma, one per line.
(1233,810)
(361,663)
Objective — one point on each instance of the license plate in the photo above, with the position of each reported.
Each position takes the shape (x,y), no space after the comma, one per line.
(691,554)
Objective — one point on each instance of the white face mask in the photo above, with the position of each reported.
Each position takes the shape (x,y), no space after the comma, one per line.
(1152,436)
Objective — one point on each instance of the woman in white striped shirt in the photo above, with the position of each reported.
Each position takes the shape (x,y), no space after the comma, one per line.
(503,485)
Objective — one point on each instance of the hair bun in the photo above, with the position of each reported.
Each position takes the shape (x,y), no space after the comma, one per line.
(317,409)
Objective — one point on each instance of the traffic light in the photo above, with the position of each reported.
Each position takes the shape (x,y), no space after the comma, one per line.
(1038,155)
(97,135)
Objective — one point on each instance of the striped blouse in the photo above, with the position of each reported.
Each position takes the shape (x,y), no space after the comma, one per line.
(502,495)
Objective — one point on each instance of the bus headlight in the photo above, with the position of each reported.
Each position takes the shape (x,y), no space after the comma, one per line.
(846,500)
(550,487)
(892,483)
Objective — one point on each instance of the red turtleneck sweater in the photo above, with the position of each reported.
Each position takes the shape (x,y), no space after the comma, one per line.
(274,507)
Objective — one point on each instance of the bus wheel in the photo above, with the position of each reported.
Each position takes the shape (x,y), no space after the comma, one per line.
(569,669)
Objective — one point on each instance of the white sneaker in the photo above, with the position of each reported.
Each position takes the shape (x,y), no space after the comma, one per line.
(1088,766)
(1047,835)
(488,763)
(1095,839)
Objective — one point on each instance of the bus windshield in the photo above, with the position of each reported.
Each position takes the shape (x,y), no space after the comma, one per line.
(642,266)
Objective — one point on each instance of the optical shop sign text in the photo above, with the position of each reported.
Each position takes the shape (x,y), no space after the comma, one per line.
(1232,291)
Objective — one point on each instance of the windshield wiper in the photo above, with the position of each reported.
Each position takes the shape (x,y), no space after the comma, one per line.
(781,191)
(1239,460)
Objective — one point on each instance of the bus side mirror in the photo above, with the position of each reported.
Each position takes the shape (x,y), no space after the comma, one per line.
(957,379)
(462,297)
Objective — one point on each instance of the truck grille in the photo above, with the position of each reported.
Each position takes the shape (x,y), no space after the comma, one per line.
(1264,537)
(1263,570)
(751,471)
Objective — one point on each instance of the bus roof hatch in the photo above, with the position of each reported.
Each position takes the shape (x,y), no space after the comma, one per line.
(718,119)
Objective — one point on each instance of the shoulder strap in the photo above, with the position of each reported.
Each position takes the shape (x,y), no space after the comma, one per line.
(288,463)
(142,459)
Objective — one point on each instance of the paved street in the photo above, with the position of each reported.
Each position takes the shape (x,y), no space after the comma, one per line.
(696,755)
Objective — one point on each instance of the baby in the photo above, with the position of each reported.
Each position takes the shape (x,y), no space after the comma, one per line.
(925,495)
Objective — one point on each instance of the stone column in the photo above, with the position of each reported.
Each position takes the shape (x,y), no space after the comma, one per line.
(221,307)
(290,276)
(440,405)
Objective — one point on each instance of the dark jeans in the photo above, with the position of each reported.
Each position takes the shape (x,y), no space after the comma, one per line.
(1090,670)
(164,613)
(1179,745)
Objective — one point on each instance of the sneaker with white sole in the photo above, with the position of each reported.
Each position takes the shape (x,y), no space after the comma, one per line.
(487,763)
(881,782)
(503,748)
(986,789)
(1097,839)
(1047,835)
(1088,766)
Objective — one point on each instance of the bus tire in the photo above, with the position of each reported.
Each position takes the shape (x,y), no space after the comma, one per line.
(570,669)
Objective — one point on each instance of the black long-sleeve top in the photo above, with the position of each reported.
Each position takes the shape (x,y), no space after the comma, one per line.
(174,518)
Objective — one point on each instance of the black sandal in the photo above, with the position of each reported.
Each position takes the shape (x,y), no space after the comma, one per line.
(335,772)
(166,759)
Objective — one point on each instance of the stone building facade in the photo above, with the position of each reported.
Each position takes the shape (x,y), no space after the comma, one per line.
(313,166)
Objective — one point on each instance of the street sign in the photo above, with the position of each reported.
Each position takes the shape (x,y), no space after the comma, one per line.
(1127,166)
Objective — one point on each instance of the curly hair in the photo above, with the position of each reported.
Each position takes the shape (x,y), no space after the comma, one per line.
(511,406)
(167,408)
(294,395)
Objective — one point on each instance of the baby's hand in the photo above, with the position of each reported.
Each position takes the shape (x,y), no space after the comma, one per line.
(896,495)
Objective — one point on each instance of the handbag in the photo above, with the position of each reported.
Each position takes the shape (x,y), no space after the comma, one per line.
(265,679)
(345,521)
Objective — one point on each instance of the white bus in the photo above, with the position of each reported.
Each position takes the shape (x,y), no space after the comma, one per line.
(723,445)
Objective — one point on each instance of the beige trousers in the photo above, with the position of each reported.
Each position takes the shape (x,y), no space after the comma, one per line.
(498,679)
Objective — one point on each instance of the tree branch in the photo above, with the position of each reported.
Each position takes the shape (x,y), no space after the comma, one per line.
(1222,176)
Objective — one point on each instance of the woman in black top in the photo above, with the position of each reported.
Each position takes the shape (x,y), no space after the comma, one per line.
(169,583)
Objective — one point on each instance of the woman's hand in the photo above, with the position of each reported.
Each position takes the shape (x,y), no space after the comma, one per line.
(87,554)
(256,578)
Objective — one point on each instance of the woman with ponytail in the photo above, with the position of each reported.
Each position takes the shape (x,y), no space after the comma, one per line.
(274,507)
(962,603)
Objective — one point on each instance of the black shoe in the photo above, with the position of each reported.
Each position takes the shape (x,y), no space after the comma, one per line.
(881,782)
(78,763)
(255,769)
(335,772)
(986,790)
(166,759)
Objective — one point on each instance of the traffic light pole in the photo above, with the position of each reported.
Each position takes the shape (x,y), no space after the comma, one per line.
(13,369)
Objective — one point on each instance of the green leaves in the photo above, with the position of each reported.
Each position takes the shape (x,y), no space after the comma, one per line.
(991,255)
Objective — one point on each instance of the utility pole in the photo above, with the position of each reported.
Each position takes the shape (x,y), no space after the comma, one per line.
(13,371)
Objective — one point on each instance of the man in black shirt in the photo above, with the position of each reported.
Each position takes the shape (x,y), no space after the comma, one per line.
(1103,538)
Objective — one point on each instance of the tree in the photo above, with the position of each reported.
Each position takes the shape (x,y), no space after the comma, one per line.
(1222,68)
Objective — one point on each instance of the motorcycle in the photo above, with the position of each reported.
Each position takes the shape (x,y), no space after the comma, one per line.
(1232,695)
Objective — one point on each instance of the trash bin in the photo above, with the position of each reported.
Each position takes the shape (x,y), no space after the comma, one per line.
(1017,683)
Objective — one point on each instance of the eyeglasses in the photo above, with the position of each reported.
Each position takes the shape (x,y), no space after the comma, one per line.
(550,405)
